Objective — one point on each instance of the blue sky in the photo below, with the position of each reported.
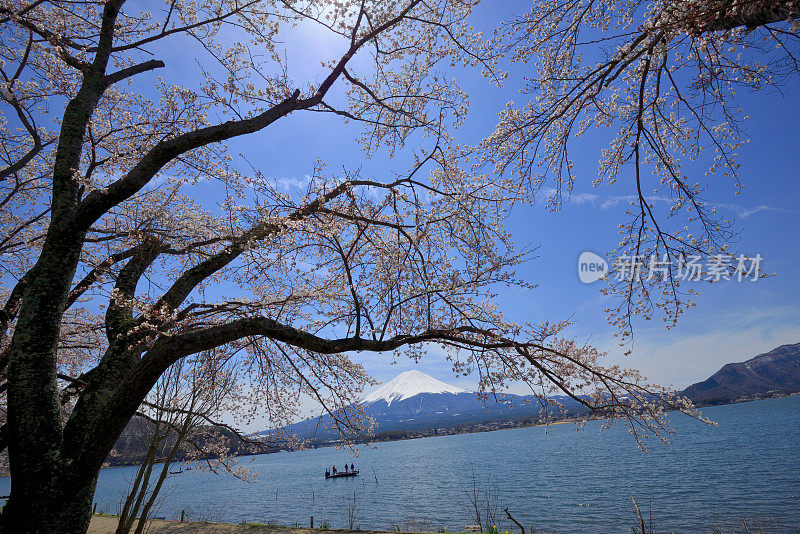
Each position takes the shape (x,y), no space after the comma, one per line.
(731,322)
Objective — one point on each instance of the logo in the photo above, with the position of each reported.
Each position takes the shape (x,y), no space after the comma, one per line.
(591,267)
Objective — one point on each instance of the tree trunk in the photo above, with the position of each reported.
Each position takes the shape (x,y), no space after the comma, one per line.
(47,493)
(39,471)
(151,501)
(131,508)
(64,508)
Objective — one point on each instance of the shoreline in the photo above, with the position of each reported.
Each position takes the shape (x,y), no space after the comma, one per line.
(420,434)
(394,439)
(107,524)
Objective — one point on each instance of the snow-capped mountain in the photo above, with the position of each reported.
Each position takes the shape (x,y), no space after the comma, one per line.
(408,384)
(416,401)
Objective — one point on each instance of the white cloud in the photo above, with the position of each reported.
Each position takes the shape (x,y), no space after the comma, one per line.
(291,183)
(584,198)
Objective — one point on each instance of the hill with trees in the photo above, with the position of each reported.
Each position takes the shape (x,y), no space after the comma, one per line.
(776,372)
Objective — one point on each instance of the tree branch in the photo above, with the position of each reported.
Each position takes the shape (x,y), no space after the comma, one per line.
(133,70)
(101,200)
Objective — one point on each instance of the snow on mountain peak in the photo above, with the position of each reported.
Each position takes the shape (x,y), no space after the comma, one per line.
(407,384)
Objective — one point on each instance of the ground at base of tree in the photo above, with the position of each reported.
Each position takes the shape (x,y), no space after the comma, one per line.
(108,525)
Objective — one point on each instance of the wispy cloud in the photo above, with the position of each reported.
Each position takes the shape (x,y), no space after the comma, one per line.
(744,212)
(611,201)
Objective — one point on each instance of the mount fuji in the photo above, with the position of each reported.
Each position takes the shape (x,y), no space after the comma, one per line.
(414,401)
(410,384)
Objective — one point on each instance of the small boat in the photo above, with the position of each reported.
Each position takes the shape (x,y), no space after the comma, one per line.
(176,472)
(342,474)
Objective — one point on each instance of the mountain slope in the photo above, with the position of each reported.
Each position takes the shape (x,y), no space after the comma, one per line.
(774,371)
(416,401)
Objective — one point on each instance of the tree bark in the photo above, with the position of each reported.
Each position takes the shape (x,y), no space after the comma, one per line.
(47,494)
(34,417)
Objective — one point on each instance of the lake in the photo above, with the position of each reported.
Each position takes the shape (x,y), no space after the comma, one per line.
(553,479)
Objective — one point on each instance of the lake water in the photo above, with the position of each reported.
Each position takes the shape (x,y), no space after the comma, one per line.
(559,479)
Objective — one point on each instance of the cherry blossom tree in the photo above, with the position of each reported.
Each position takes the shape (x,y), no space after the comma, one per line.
(664,76)
(113,268)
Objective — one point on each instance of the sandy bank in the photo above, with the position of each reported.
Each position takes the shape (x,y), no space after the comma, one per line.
(107,525)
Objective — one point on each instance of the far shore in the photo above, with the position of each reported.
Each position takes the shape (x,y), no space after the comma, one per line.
(479,428)
(410,435)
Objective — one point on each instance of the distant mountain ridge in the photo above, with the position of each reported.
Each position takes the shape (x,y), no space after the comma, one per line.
(415,401)
(776,371)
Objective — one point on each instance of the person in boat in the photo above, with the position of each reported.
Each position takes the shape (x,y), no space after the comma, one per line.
(334,469)
(345,467)
(327,472)
(352,467)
